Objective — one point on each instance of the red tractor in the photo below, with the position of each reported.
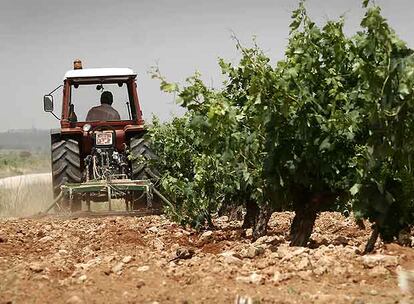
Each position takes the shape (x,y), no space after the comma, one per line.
(96,158)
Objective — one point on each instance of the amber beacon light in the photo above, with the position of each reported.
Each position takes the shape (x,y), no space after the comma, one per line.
(77,64)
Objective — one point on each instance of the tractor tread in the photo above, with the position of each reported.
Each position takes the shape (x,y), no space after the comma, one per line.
(139,147)
(66,165)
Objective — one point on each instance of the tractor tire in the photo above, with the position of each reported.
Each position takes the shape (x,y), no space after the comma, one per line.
(143,169)
(141,164)
(66,168)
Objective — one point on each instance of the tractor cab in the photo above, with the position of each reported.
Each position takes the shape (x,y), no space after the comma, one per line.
(82,90)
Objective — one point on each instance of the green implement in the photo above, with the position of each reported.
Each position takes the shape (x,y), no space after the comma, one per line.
(111,188)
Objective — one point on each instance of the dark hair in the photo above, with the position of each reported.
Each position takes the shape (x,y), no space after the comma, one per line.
(106,97)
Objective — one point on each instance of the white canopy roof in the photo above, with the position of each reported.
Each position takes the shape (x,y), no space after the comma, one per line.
(101,72)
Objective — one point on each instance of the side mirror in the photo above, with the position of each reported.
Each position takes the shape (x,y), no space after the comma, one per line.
(48,103)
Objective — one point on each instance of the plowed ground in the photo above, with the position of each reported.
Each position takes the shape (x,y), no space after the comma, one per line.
(151,260)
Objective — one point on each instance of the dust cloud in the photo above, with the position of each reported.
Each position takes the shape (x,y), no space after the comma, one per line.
(25,195)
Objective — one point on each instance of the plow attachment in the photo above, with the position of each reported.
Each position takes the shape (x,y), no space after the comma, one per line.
(107,191)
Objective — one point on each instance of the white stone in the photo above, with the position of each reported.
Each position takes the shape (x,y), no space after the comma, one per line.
(251,251)
(63,252)
(320,270)
(254,278)
(244,300)
(127,259)
(372,260)
(300,251)
(45,239)
(143,268)
(265,239)
(280,277)
(378,271)
(305,275)
(82,278)
(153,229)
(206,235)
(229,258)
(117,268)
(326,261)
(223,218)
(282,251)
(303,264)
(36,267)
(158,244)
(74,300)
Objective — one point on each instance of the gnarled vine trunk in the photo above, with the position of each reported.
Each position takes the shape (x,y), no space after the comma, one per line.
(233,211)
(260,228)
(302,225)
(252,212)
(369,247)
(307,206)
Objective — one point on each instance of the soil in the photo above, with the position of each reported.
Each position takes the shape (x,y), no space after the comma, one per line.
(152,260)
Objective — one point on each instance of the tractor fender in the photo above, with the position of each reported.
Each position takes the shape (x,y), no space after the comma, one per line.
(59,134)
(55,135)
(133,131)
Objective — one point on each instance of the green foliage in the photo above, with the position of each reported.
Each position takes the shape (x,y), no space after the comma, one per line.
(385,68)
(313,121)
(212,156)
(335,116)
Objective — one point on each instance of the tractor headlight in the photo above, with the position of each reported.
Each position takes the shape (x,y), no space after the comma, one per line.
(86,127)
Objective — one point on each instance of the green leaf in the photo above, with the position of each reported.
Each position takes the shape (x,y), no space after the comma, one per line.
(325,144)
(168,87)
(403,89)
(355,189)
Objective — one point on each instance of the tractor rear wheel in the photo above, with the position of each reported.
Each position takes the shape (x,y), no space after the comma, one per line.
(143,169)
(66,168)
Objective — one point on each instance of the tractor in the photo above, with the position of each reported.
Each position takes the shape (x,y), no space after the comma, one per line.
(99,159)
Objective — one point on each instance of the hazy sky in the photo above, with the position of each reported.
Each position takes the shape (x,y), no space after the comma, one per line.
(39,40)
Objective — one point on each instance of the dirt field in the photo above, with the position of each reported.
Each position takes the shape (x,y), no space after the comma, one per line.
(151,260)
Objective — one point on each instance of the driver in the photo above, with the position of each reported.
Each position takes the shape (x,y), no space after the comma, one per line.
(105,111)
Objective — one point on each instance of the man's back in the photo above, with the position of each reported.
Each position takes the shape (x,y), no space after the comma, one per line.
(103,112)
